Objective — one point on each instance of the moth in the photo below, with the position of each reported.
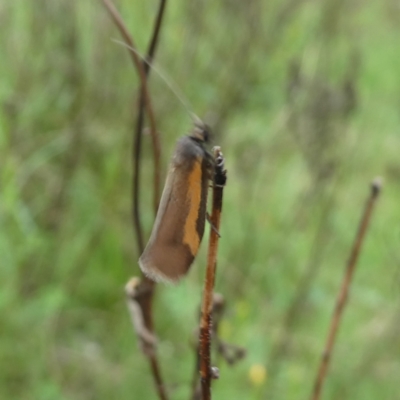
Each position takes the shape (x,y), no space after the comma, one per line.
(179,225)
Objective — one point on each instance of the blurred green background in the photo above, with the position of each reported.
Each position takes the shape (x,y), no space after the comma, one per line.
(304,98)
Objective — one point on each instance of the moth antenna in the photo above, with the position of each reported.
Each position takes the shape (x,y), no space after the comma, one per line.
(173,87)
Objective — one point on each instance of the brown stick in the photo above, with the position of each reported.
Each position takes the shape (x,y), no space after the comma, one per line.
(137,141)
(145,298)
(154,39)
(206,371)
(147,100)
(231,353)
(344,290)
(140,298)
(134,292)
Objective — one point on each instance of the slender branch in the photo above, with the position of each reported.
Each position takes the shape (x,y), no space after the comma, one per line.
(229,352)
(133,294)
(147,100)
(137,142)
(207,373)
(344,290)
(146,300)
(140,294)
(154,39)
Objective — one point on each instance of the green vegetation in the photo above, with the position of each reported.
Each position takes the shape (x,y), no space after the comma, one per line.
(304,98)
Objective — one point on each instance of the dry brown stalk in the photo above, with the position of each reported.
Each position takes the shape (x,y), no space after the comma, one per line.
(140,293)
(138,134)
(147,100)
(206,371)
(344,290)
(133,293)
(231,353)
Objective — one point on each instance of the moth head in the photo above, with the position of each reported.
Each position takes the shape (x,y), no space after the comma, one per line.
(201,132)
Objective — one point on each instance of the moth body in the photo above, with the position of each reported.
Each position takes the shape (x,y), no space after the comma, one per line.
(179,225)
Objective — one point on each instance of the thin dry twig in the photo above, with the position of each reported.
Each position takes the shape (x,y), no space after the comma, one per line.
(231,353)
(217,312)
(147,100)
(133,291)
(344,290)
(138,134)
(206,371)
(140,294)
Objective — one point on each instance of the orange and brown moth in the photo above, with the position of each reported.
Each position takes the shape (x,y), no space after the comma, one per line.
(179,224)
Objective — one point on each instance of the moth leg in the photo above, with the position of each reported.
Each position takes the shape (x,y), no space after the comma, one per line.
(212,225)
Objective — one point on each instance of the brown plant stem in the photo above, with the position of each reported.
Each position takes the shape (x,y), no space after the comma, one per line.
(145,299)
(140,294)
(217,312)
(344,290)
(147,100)
(231,353)
(155,36)
(137,141)
(206,372)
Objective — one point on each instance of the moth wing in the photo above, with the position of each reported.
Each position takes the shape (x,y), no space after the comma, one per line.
(173,244)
